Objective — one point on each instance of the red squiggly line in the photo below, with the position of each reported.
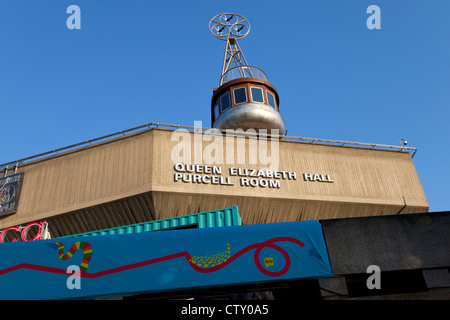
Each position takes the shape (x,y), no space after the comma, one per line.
(257,246)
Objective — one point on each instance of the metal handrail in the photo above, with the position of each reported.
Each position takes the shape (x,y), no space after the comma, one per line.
(243,72)
(151,125)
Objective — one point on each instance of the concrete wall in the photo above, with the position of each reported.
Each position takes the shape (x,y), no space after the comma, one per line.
(412,252)
(131,179)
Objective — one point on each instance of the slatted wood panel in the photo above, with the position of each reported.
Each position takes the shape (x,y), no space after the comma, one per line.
(84,178)
(131,179)
(360,175)
(264,210)
(126,211)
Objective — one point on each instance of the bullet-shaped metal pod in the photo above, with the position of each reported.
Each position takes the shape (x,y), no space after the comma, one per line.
(246,103)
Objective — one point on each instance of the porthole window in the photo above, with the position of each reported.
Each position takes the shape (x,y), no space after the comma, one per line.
(216,110)
(225,102)
(270,99)
(257,94)
(240,95)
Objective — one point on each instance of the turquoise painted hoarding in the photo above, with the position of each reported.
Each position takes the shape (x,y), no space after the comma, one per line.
(225,217)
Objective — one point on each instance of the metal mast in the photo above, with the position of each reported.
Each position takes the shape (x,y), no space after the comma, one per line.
(230,27)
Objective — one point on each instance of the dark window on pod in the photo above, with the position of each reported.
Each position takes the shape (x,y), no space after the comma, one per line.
(216,110)
(240,95)
(257,94)
(270,99)
(225,102)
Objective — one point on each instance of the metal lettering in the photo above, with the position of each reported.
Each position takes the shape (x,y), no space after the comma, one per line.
(42,232)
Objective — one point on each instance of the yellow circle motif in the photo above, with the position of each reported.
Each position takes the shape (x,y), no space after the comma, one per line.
(211,260)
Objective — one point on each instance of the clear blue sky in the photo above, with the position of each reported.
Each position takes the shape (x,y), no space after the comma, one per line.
(136,61)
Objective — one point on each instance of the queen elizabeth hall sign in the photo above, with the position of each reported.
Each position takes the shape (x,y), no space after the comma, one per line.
(264,178)
(117,265)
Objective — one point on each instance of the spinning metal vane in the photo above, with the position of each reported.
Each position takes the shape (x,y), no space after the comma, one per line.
(230,27)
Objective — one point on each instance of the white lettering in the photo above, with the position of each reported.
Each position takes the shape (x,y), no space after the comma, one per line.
(206,174)
(213,152)
(74,281)
(274,184)
(205,179)
(179,167)
(215,180)
(374,21)
(264,158)
(73,21)
(177,176)
(254,182)
(237,141)
(315,177)
(198,142)
(198,310)
(263,183)
(374,281)
(181,153)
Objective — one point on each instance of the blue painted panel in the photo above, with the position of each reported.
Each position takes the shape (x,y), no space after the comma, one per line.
(115,265)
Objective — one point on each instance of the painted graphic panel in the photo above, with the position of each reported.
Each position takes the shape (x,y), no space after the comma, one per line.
(114,265)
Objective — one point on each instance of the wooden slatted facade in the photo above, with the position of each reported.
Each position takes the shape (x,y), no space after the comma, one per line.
(130,179)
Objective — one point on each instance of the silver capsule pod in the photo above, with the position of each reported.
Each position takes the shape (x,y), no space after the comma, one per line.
(246,103)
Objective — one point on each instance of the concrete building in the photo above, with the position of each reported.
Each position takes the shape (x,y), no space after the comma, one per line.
(362,206)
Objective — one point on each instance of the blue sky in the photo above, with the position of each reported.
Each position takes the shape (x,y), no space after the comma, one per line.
(135,61)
